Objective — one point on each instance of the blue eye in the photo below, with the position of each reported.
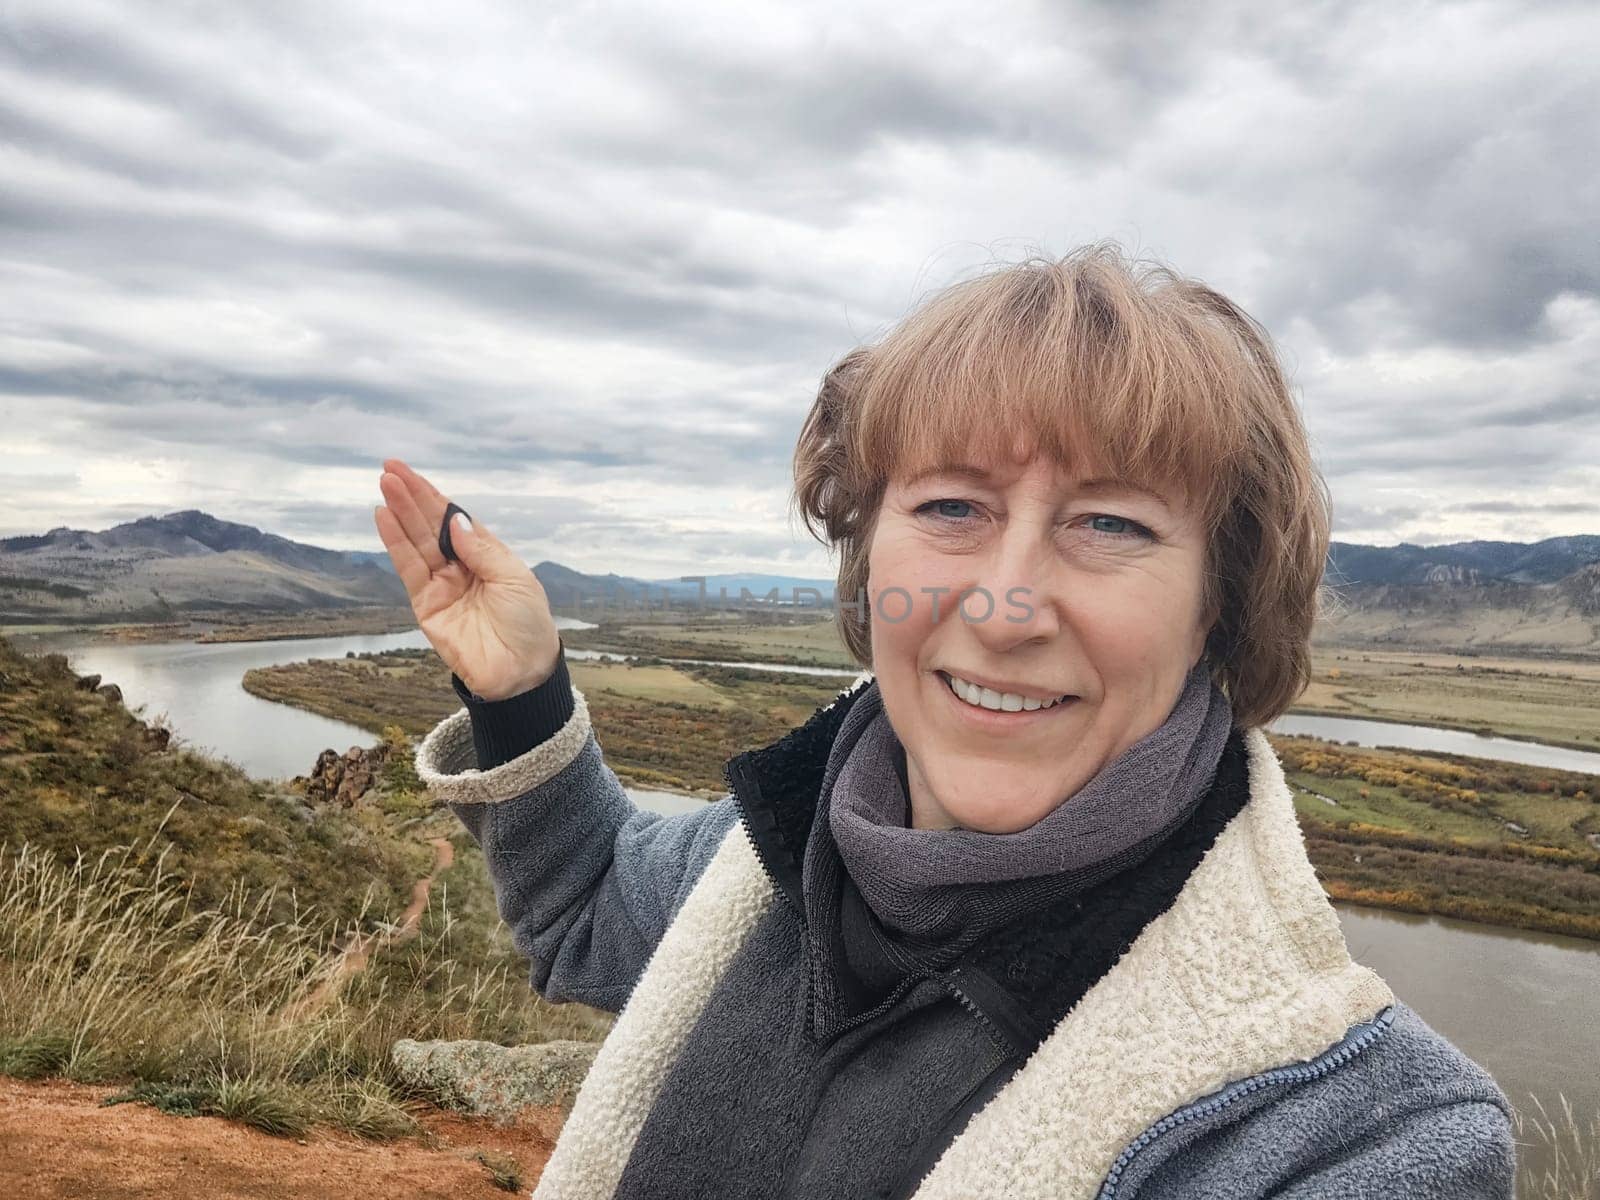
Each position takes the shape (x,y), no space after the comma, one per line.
(1116,526)
(932,504)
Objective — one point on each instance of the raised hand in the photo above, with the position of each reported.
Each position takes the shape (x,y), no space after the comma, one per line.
(487,615)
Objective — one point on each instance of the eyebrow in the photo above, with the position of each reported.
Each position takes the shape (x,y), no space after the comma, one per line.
(1098,485)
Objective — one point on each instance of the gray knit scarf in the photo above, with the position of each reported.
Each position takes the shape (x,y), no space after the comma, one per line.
(886,903)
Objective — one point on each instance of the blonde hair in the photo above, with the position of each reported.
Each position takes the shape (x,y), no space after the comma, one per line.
(1098,360)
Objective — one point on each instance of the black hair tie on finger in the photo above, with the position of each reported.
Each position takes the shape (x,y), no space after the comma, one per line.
(445,548)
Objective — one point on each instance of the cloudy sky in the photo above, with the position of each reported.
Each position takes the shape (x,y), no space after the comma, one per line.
(584,264)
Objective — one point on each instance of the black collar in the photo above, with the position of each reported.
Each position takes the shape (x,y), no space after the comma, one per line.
(1045,960)
(777,787)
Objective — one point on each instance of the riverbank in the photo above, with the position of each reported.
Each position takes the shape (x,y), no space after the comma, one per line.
(788,639)
(662,726)
(1542,700)
(210,942)
(230,626)
(1497,843)
(1546,701)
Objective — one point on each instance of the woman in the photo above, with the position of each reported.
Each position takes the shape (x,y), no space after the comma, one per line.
(1025,912)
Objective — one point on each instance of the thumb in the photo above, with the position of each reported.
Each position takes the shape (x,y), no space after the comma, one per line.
(479,550)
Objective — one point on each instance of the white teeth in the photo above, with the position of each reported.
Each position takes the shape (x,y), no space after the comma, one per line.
(982,697)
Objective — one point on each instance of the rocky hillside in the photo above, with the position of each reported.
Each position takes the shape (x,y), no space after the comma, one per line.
(156,568)
(1456,607)
(79,772)
(195,941)
(1547,561)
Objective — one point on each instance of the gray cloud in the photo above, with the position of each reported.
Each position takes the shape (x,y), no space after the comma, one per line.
(564,252)
(1520,507)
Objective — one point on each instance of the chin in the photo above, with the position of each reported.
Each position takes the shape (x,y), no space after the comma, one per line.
(997,815)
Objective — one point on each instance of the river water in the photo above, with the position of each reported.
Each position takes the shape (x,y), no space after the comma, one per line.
(1522,1004)
(1445,741)
(197,686)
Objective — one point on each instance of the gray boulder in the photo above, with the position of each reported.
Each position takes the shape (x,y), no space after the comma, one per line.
(488,1080)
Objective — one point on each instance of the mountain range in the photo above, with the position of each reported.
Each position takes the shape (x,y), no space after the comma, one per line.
(156,568)
(1462,562)
(1542,596)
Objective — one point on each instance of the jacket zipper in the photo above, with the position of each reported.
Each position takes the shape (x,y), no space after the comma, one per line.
(984,1019)
(995,1008)
(734,774)
(1331,1059)
(732,768)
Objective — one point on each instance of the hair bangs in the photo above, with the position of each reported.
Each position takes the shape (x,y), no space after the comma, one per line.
(1025,362)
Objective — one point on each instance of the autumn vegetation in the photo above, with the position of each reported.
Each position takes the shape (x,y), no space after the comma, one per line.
(163,918)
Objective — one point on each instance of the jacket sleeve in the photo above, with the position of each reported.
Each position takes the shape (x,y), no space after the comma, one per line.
(585,880)
(1461,1150)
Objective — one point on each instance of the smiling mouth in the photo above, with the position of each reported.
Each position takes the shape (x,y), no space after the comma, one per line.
(976,696)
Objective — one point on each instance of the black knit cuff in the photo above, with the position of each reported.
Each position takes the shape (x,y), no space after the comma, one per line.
(506,729)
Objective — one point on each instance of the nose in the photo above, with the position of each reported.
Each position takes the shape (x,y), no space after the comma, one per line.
(1023,579)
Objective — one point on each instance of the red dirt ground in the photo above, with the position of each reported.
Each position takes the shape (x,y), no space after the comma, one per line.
(56,1140)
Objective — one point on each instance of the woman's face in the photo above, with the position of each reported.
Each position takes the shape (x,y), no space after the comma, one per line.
(1092,589)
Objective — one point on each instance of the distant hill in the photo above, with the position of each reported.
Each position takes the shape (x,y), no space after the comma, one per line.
(567,588)
(1541,597)
(1538,598)
(760,587)
(1468,612)
(575,590)
(158,567)
(378,558)
(1462,562)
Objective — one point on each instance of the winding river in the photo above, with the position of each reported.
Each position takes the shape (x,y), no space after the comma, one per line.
(1523,1004)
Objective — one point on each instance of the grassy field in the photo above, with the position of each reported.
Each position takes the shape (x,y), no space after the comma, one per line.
(337,622)
(1540,700)
(230,626)
(1501,843)
(661,726)
(789,639)
(1493,842)
(164,918)
(79,773)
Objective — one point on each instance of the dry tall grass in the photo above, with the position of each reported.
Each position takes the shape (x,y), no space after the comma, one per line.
(1569,1154)
(108,973)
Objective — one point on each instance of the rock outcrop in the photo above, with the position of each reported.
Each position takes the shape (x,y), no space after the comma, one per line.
(343,779)
(489,1080)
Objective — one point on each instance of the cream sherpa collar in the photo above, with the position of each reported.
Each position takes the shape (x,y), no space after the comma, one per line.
(1247,971)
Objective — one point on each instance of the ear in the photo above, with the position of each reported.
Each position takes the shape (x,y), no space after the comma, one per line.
(1200,644)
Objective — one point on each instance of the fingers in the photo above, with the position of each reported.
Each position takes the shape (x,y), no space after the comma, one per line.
(408,564)
(429,500)
(421,531)
(483,554)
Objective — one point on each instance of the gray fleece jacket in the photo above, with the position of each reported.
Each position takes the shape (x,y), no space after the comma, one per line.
(1231,1047)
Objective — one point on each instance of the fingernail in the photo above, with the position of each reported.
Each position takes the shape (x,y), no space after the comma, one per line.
(462,523)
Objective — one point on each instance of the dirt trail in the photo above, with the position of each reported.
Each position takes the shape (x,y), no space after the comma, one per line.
(354,958)
(57,1141)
